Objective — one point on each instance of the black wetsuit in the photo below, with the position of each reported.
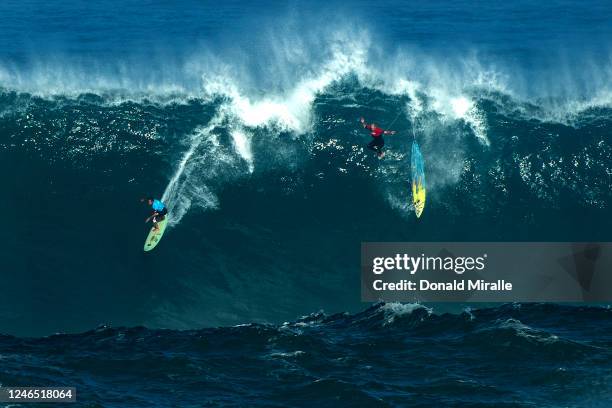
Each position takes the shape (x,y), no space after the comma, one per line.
(376,144)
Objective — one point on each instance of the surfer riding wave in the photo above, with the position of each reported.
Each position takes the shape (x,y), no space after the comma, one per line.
(377,133)
(159,211)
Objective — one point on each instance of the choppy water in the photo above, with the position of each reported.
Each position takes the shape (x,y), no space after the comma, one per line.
(387,355)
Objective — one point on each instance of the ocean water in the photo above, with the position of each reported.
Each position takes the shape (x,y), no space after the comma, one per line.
(244,116)
(387,355)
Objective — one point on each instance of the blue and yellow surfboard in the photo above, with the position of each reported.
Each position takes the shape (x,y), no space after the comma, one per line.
(418,179)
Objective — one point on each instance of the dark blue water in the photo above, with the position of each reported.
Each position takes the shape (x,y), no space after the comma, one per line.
(388,355)
(244,118)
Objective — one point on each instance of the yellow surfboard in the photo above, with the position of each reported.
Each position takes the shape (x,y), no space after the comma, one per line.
(419,191)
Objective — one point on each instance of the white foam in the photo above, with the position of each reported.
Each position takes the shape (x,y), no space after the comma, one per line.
(290,109)
(242,144)
(186,188)
(301,64)
(465,109)
(395,310)
(460,106)
(528,333)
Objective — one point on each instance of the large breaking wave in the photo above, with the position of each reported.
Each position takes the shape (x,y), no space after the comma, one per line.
(266,153)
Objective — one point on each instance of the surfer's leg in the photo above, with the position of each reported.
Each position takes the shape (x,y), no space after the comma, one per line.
(380,143)
(376,144)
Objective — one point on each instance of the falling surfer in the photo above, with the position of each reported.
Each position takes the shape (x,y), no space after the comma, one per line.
(377,133)
(159,211)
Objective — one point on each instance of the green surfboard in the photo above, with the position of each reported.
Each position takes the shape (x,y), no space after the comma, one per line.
(155,236)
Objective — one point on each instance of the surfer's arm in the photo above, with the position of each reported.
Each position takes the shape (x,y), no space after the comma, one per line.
(389,132)
(363,123)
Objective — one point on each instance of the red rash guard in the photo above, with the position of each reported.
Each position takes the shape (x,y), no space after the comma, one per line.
(376,132)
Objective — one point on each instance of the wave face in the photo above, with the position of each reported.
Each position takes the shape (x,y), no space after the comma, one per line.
(253,204)
(390,354)
(249,131)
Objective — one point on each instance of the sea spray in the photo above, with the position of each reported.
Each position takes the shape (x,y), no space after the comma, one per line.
(177,196)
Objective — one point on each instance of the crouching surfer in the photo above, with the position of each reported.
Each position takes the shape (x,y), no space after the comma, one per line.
(159,211)
(377,133)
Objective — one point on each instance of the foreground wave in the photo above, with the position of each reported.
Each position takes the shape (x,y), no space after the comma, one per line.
(515,355)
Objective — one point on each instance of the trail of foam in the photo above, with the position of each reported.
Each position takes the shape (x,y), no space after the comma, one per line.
(181,192)
(207,163)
